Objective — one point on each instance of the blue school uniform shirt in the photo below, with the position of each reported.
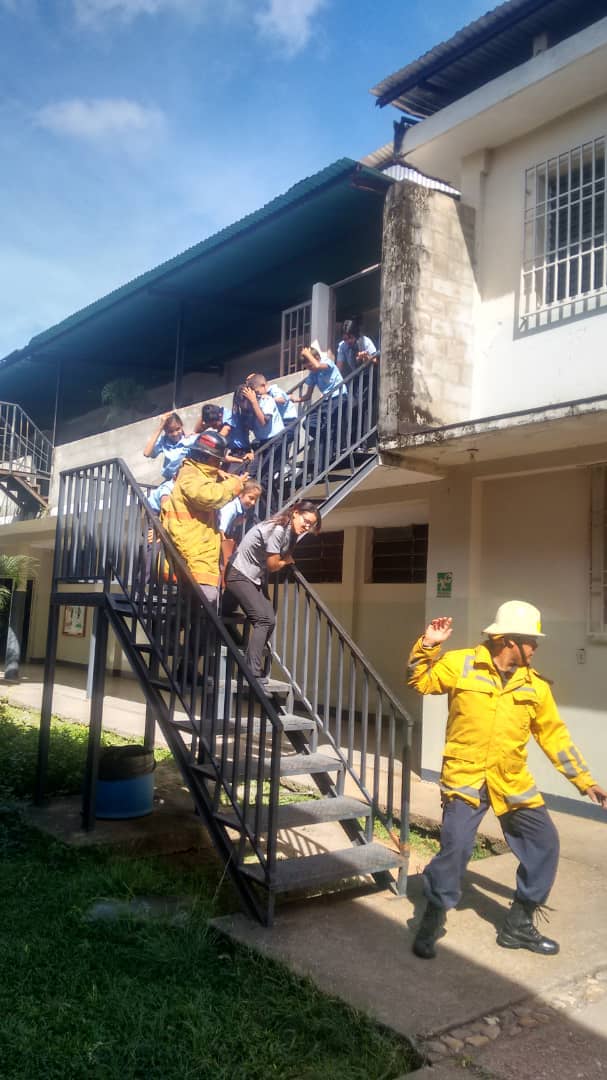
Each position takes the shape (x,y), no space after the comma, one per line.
(228,515)
(288,410)
(328,380)
(264,432)
(239,437)
(346,354)
(173,453)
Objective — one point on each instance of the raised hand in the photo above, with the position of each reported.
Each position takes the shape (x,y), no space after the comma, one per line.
(438,631)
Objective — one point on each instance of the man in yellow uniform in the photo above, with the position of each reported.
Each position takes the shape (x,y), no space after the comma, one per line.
(496,702)
(190,513)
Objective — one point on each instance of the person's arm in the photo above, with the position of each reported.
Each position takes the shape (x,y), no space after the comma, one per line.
(258,412)
(275,560)
(308,387)
(211,494)
(367,352)
(149,449)
(427,671)
(552,734)
(304,396)
(342,358)
(278,562)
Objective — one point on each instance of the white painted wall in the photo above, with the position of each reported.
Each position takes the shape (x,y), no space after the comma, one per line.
(524,537)
(559,363)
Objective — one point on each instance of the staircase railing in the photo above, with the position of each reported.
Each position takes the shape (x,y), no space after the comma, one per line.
(24,449)
(355,710)
(327,434)
(110,542)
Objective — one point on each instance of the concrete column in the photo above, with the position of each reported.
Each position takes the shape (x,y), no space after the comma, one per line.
(454,547)
(322,317)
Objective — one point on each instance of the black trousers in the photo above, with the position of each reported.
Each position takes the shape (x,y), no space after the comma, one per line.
(258,609)
(529,833)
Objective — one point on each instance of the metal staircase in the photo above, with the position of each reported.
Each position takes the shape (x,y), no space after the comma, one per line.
(25,464)
(330,721)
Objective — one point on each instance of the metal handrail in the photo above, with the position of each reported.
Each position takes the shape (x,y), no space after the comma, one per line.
(23,447)
(326,435)
(351,703)
(107,534)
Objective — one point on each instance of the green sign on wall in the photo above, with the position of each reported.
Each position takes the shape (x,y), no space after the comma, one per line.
(444,583)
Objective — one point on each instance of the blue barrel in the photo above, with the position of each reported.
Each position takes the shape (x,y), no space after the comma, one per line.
(125,784)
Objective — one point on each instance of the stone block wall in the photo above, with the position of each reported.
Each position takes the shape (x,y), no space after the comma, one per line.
(427,312)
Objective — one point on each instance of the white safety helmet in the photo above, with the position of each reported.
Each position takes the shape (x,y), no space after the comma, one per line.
(516,618)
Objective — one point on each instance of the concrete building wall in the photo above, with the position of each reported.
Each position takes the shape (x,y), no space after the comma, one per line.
(515,369)
(427,311)
(522,537)
(128,441)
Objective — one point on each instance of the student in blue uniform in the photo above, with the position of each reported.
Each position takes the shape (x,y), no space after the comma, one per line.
(354,348)
(324,374)
(170,440)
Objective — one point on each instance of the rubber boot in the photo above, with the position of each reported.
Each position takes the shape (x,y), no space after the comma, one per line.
(433,921)
(519,932)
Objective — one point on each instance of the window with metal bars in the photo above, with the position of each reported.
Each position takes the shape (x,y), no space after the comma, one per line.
(295,333)
(400,555)
(320,558)
(565,258)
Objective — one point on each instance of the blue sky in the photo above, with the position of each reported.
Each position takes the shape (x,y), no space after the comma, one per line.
(131,129)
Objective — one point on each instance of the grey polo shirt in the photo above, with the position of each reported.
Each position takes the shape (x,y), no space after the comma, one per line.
(264,539)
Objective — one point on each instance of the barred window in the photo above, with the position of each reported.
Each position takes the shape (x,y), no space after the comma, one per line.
(400,555)
(320,558)
(564,265)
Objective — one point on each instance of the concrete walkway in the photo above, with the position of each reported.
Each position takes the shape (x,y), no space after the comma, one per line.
(477,1008)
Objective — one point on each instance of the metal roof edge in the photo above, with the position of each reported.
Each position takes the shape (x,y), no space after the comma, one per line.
(298,193)
(463,42)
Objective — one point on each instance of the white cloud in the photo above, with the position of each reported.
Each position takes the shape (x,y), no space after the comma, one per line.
(93,11)
(289,22)
(100,118)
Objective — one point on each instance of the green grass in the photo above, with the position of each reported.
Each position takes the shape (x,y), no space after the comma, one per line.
(131,1000)
(19,749)
(425,841)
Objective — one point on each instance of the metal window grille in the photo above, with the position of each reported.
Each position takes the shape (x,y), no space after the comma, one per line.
(565,263)
(400,555)
(320,558)
(598,551)
(296,332)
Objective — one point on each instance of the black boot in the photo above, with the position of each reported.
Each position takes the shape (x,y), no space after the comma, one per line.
(518,931)
(430,928)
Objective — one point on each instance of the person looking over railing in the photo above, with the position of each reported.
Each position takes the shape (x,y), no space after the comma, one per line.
(266,549)
(324,375)
(171,441)
(354,348)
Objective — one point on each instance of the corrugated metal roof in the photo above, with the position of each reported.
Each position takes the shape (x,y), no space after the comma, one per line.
(497,42)
(310,186)
(230,290)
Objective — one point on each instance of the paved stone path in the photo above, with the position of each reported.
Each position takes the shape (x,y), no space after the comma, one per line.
(570,998)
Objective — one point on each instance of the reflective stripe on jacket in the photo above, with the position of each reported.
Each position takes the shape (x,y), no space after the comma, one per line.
(489,726)
(190,517)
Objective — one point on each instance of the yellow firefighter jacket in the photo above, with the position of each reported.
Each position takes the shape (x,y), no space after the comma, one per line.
(489,726)
(189,516)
